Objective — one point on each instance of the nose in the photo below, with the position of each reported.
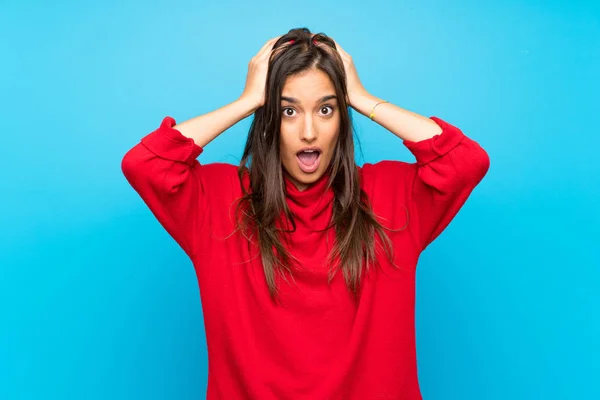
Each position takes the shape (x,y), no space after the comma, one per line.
(309,134)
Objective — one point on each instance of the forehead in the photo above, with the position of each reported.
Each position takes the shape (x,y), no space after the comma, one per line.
(308,86)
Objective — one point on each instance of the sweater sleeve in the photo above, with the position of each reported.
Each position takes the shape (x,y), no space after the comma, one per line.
(163,170)
(448,167)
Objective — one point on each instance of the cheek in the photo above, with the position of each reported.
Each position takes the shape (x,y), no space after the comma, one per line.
(333,142)
(284,149)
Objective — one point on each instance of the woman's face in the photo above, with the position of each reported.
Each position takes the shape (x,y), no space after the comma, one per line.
(310,123)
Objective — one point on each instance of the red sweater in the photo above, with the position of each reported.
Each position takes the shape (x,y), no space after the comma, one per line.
(318,344)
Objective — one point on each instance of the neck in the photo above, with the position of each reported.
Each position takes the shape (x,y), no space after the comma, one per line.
(310,204)
(299,185)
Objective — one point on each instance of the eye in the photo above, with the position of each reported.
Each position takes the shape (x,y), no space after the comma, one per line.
(327,107)
(289,112)
(286,113)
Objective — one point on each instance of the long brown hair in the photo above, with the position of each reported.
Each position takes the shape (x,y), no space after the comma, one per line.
(263,205)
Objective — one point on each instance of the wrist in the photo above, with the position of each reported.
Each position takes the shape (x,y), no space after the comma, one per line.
(363,102)
(248,105)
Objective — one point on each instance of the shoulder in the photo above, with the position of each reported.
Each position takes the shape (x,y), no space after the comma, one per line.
(220,169)
(387,183)
(221,176)
(386,174)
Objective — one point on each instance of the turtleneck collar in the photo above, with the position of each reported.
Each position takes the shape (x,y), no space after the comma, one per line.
(312,207)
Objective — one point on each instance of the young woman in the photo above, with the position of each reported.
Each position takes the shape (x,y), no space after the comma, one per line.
(306,262)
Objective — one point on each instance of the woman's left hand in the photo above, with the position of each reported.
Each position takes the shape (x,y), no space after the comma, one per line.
(353,84)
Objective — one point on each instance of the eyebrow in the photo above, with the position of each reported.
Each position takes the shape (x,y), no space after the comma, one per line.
(322,99)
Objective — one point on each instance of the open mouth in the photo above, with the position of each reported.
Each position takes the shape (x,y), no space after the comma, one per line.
(309,160)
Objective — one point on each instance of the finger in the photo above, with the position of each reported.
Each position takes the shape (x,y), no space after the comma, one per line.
(270,42)
(266,47)
(339,48)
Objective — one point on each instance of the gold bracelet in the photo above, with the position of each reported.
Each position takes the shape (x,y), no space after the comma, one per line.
(373,109)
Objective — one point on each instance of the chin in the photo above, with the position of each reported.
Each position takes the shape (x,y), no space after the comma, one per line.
(304,179)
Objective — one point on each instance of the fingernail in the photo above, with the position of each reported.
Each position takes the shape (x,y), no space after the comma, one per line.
(292,41)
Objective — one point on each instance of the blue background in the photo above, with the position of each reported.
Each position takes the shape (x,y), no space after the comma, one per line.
(98,302)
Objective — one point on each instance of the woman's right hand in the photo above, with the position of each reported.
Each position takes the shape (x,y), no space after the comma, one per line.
(254,91)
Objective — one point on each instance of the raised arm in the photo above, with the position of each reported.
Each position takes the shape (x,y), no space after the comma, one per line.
(405,124)
(448,164)
(163,168)
(448,167)
(164,171)
(203,129)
